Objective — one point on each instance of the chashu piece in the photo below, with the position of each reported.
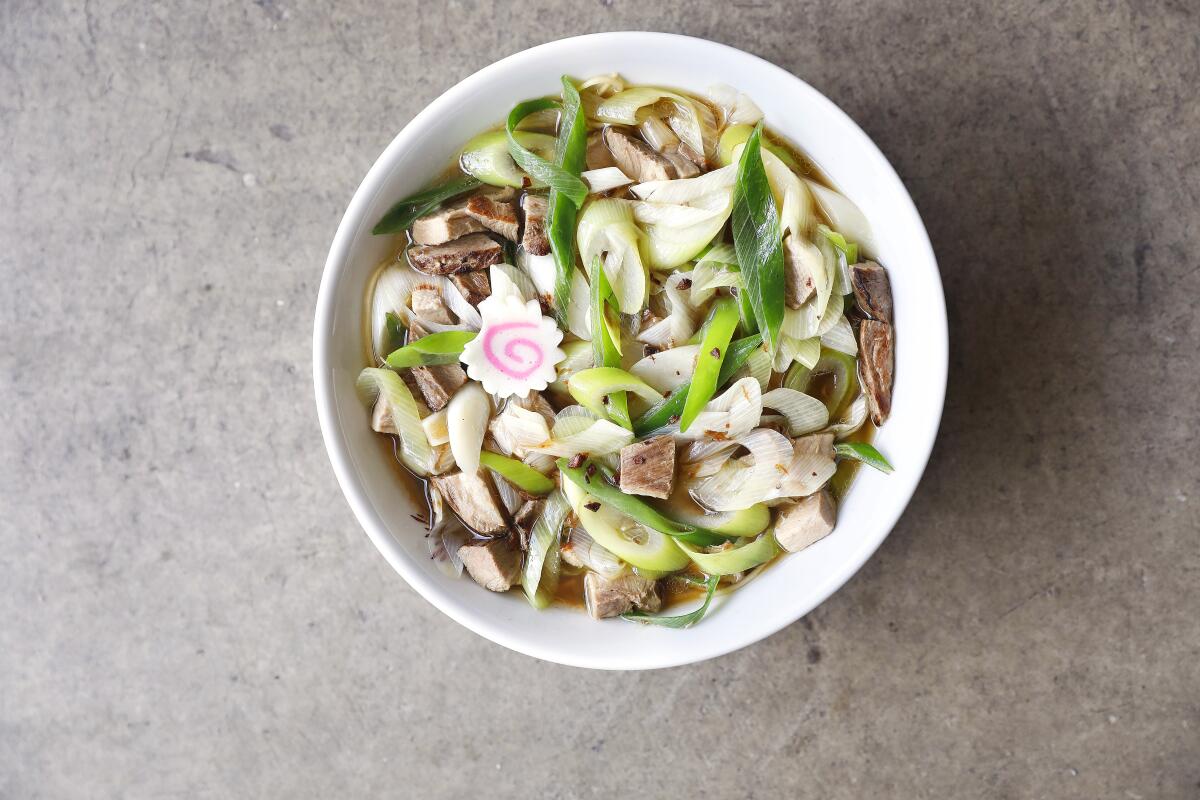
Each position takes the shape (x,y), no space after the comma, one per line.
(439,382)
(494,564)
(876,360)
(612,597)
(534,239)
(445,224)
(497,213)
(817,444)
(872,291)
(648,468)
(799,260)
(811,519)
(466,254)
(598,156)
(525,518)
(475,286)
(474,499)
(637,159)
(427,303)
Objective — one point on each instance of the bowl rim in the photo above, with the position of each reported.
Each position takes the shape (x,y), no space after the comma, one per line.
(338,448)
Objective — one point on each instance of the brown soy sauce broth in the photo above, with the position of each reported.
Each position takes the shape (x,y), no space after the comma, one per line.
(569,592)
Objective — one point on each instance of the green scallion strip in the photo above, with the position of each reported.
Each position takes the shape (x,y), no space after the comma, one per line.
(758,240)
(597,481)
(714,346)
(604,349)
(436,348)
(517,473)
(401,215)
(660,415)
(837,240)
(682,620)
(564,203)
(866,453)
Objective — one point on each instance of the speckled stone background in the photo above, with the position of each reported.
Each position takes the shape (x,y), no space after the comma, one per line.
(188,609)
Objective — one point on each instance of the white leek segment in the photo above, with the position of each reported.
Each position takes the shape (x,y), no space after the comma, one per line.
(384,386)
(748,480)
(735,412)
(804,414)
(845,218)
(576,430)
(841,338)
(623,537)
(605,179)
(680,323)
(587,551)
(851,420)
(467,421)
(758,366)
(806,474)
(515,430)
(541,271)
(542,539)
(737,107)
(667,370)
(692,121)
(681,217)
(606,228)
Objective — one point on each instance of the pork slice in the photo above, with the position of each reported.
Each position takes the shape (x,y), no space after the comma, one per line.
(798,268)
(800,524)
(611,597)
(817,444)
(427,303)
(534,239)
(872,290)
(474,499)
(445,224)
(876,360)
(638,159)
(475,286)
(494,564)
(684,166)
(497,215)
(466,254)
(439,382)
(597,156)
(648,468)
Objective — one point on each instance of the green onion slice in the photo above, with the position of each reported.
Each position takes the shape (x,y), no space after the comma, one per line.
(436,348)
(864,452)
(682,620)
(403,213)
(519,474)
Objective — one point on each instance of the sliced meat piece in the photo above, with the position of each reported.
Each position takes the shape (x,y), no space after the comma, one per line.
(800,524)
(872,291)
(438,383)
(598,156)
(535,402)
(818,444)
(798,265)
(474,499)
(497,215)
(427,303)
(691,155)
(525,518)
(381,419)
(475,286)
(637,159)
(466,254)
(684,167)
(445,225)
(648,468)
(612,597)
(876,360)
(534,239)
(494,564)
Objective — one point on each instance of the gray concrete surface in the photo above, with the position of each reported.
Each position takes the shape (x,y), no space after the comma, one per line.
(188,609)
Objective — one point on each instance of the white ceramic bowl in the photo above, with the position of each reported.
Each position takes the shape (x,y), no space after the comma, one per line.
(789,589)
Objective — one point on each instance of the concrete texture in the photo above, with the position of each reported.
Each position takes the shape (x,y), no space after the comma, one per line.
(189,608)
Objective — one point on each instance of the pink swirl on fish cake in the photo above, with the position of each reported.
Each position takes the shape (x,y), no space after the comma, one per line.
(517,366)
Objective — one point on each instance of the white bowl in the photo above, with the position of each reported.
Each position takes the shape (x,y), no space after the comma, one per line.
(788,590)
